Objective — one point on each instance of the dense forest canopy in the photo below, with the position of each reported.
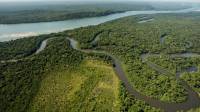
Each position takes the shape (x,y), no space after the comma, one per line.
(179,34)
(61,78)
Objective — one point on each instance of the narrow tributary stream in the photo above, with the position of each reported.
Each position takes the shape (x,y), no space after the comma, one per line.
(193,100)
(41,48)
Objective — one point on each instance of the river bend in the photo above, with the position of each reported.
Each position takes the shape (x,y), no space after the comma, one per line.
(193,100)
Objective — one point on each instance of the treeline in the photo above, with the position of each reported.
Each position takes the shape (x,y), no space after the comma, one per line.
(48,16)
(19,81)
(182,66)
(20,48)
(129,41)
(131,104)
(65,12)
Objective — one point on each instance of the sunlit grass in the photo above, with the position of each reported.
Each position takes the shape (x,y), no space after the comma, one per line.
(56,89)
(94,86)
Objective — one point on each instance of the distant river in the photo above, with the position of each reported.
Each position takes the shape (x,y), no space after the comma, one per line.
(15,31)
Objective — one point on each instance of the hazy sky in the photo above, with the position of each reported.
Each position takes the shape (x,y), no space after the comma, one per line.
(107,0)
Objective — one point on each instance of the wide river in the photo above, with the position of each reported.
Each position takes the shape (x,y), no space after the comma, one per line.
(15,31)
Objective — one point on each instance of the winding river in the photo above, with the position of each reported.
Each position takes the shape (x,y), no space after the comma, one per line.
(193,100)
(42,46)
(9,32)
(40,49)
(15,31)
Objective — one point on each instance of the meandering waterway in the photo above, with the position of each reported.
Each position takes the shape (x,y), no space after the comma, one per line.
(9,32)
(192,101)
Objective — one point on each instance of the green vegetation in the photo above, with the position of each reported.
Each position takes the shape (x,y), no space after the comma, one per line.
(58,11)
(20,80)
(130,104)
(48,16)
(181,65)
(79,89)
(61,78)
(63,11)
(194,110)
(193,80)
(20,48)
(131,40)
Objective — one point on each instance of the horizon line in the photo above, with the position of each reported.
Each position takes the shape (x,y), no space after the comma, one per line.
(184,1)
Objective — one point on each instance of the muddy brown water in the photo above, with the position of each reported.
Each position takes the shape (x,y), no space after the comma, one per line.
(192,101)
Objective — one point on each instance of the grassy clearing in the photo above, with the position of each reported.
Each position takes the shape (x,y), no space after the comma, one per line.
(194,110)
(92,87)
(56,89)
(129,41)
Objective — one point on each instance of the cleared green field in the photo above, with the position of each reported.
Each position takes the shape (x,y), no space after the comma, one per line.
(62,78)
(94,86)
(194,110)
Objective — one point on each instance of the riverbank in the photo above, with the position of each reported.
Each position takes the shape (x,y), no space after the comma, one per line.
(15,31)
(192,101)
(114,45)
(60,11)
